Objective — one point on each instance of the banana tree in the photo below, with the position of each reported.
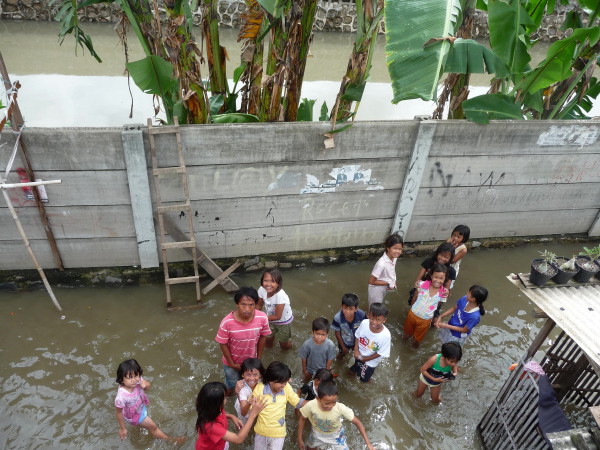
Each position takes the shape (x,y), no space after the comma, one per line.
(369,15)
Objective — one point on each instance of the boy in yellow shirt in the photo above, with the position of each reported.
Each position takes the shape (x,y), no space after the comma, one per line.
(270,425)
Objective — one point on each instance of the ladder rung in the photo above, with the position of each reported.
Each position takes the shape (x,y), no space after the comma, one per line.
(168,170)
(179,244)
(179,280)
(178,207)
(163,129)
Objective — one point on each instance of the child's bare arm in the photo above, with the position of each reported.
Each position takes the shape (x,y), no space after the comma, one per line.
(144,384)
(420,277)
(301,421)
(374,281)
(304,371)
(356,351)
(459,255)
(361,429)
(369,358)
(278,312)
(328,365)
(260,303)
(338,336)
(122,428)
(428,364)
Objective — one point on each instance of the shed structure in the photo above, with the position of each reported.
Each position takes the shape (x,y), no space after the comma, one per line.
(572,365)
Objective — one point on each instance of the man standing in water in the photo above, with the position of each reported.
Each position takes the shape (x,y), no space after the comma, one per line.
(242,334)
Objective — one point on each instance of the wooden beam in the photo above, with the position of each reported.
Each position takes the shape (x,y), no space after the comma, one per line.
(16,122)
(205,262)
(540,338)
(220,278)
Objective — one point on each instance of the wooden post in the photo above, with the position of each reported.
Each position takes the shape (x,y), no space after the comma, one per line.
(16,122)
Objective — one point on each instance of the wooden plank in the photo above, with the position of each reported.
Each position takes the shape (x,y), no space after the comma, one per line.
(180,244)
(181,280)
(412,179)
(205,262)
(139,192)
(168,170)
(177,207)
(220,278)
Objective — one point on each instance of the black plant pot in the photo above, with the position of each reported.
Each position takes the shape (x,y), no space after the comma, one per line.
(563,276)
(584,275)
(539,278)
(597,261)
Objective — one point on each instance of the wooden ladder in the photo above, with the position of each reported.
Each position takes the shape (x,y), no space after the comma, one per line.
(183,207)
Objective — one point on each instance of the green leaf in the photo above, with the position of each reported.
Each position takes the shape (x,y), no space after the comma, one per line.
(469,56)
(215,102)
(237,73)
(488,107)
(305,110)
(560,57)
(235,118)
(572,20)
(415,68)
(274,7)
(536,10)
(534,101)
(153,75)
(324,113)
(508,37)
(354,92)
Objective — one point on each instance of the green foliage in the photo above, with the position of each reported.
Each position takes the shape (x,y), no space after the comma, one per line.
(69,24)
(469,56)
(305,110)
(488,107)
(414,66)
(234,118)
(153,75)
(324,113)
(593,252)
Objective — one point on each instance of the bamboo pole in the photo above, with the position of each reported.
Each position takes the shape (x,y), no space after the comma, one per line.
(28,247)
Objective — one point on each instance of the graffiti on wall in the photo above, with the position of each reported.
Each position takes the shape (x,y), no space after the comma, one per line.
(340,176)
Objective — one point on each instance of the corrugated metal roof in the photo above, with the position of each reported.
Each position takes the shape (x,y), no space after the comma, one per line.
(575,309)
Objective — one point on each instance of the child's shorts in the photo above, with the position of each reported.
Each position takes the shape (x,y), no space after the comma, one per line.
(376,293)
(363,371)
(428,382)
(282,332)
(232,376)
(268,443)
(415,326)
(335,441)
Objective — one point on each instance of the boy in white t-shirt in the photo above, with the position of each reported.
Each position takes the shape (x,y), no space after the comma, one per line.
(325,414)
(373,342)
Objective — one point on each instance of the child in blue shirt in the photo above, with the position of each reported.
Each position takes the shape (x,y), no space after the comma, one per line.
(345,323)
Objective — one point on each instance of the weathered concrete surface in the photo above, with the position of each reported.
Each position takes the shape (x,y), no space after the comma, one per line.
(273,189)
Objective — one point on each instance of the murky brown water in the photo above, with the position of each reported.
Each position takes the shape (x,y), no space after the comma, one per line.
(58,374)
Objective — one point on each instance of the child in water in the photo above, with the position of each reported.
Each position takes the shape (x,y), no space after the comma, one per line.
(383,276)
(346,322)
(277,308)
(131,401)
(424,305)
(439,369)
(444,254)
(325,414)
(252,370)
(270,427)
(458,239)
(211,424)
(466,314)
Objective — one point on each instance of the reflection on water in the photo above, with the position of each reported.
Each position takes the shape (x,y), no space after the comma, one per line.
(57,374)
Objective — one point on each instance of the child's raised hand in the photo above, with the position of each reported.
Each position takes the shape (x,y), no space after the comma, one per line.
(144,384)
(258,404)
(238,387)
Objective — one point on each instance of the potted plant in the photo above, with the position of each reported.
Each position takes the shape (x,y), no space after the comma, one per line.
(588,268)
(566,269)
(542,269)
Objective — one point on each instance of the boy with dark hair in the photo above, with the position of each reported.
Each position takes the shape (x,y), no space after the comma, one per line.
(373,342)
(325,414)
(345,323)
(318,351)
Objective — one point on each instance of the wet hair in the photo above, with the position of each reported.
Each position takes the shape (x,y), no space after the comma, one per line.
(250,364)
(320,324)
(249,292)
(350,299)
(275,276)
(464,231)
(393,240)
(443,268)
(327,388)
(209,403)
(323,375)
(480,294)
(452,350)
(445,247)
(277,372)
(378,309)
(129,367)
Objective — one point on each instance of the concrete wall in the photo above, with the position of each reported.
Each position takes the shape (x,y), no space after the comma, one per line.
(269,188)
(331,15)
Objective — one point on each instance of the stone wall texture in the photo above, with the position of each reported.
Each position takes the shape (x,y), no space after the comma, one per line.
(332,15)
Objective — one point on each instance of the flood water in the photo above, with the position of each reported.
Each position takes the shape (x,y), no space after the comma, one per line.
(57,373)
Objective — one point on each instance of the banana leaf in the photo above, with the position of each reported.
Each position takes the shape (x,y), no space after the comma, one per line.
(234,118)
(415,68)
(488,107)
(469,56)
(153,75)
